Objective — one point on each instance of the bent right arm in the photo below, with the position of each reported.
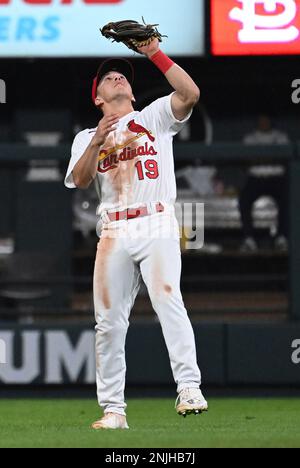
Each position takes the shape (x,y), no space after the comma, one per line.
(85,170)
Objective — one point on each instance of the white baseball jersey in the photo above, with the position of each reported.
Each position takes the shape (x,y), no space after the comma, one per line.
(136,163)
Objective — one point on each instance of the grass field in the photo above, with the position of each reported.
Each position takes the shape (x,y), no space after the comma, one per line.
(153,423)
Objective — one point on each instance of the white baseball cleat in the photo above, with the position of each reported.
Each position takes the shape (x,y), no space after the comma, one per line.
(190,401)
(111,421)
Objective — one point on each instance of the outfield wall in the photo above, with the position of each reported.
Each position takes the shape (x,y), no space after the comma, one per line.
(229,355)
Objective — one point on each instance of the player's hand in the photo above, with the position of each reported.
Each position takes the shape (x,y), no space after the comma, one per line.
(106,125)
(150,49)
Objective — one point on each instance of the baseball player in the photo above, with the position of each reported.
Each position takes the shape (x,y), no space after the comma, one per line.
(130,157)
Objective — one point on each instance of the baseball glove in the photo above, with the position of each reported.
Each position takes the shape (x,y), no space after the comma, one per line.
(132,33)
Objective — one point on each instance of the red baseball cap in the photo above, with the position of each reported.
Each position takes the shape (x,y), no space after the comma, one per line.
(118,65)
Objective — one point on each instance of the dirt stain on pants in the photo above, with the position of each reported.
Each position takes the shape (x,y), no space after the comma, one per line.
(102,285)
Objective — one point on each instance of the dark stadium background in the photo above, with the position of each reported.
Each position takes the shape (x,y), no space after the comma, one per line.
(245,307)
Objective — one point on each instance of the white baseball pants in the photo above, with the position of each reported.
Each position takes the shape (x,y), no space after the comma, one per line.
(147,247)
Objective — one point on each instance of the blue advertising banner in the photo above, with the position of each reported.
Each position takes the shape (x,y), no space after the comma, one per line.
(70,28)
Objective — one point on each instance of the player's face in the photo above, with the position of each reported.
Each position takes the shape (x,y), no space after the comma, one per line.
(114,85)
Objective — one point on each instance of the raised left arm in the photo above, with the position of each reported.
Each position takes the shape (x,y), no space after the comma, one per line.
(187,93)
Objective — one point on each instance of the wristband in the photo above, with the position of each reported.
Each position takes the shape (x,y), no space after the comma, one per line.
(162,61)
